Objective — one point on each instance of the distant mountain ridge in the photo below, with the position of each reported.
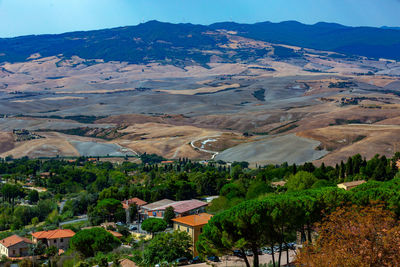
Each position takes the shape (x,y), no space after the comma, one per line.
(186,43)
(390,28)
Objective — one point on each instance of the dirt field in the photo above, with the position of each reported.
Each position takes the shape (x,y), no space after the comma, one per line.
(274,150)
(55,144)
(265,110)
(164,139)
(348,140)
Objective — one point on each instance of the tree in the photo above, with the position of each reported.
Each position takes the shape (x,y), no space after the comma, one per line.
(241,227)
(355,236)
(27,263)
(111,192)
(169,214)
(108,209)
(82,264)
(168,247)
(90,241)
(10,192)
(37,249)
(35,221)
(33,196)
(258,188)
(51,251)
(349,167)
(272,220)
(300,181)
(133,212)
(154,225)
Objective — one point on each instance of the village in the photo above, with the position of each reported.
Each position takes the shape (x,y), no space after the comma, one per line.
(188,216)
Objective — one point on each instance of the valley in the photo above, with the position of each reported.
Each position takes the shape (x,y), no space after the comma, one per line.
(251,100)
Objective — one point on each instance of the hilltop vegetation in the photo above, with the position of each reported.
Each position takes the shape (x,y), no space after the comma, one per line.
(157,41)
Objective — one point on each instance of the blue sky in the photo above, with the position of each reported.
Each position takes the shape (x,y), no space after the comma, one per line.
(23,17)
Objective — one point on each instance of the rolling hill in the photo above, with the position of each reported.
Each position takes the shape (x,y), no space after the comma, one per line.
(186,43)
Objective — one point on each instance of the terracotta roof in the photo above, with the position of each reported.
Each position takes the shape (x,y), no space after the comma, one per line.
(53,234)
(194,220)
(116,234)
(183,206)
(13,240)
(157,204)
(136,200)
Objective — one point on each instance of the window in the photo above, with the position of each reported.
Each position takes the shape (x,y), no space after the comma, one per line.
(62,240)
(201,230)
(179,227)
(14,252)
(154,214)
(55,241)
(187,230)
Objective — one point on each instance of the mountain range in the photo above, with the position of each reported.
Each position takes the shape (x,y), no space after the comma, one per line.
(177,43)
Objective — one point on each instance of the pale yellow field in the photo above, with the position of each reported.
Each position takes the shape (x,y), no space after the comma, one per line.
(201,90)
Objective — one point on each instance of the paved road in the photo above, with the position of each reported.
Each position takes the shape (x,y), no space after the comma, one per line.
(237,262)
(81,219)
(214,153)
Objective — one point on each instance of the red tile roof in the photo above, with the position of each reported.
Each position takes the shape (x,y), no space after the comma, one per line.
(183,206)
(194,220)
(116,234)
(13,240)
(136,200)
(53,234)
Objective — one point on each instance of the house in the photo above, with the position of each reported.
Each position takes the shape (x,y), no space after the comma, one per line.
(58,238)
(137,201)
(15,246)
(193,225)
(349,185)
(127,203)
(280,183)
(145,211)
(46,174)
(209,199)
(181,208)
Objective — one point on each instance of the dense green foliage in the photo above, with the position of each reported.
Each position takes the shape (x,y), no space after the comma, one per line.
(276,218)
(107,210)
(169,214)
(301,181)
(96,188)
(250,212)
(363,41)
(154,225)
(89,241)
(156,41)
(167,247)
